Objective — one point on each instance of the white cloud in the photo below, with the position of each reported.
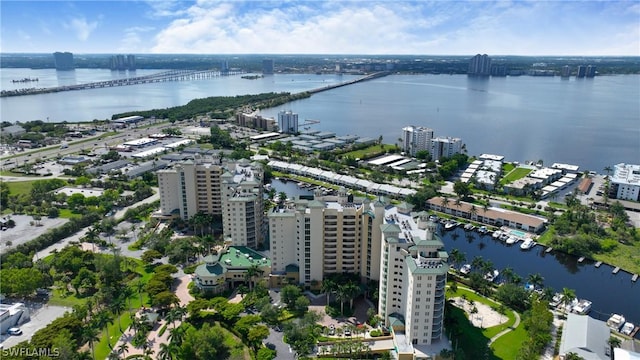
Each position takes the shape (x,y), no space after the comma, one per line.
(81,27)
(394,27)
(132,40)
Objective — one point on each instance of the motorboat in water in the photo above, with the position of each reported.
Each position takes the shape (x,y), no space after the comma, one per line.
(556,300)
(527,244)
(450,225)
(627,328)
(465,269)
(469,226)
(616,321)
(482,229)
(491,275)
(582,307)
(496,234)
(512,240)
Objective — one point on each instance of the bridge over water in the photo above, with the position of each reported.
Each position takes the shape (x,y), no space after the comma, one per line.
(172,75)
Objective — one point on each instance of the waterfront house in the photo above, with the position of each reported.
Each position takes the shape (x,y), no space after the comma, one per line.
(586,337)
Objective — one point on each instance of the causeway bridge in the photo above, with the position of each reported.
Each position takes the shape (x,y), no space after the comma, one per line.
(172,75)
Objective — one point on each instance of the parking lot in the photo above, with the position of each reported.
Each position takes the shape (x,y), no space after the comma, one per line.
(24,231)
(41,316)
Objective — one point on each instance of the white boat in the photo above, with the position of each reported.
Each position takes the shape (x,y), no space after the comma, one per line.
(482,229)
(582,307)
(496,234)
(512,240)
(469,226)
(527,244)
(465,269)
(556,300)
(615,322)
(491,275)
(627,328)
(450,225)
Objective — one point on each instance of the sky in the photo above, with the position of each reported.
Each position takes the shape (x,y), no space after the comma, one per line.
(580,28)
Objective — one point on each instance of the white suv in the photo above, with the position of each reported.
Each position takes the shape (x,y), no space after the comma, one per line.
(14,331)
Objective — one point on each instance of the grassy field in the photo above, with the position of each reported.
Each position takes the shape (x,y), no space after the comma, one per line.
(476,338)
(68,214)
(20,187)
(515,174)
(371,151)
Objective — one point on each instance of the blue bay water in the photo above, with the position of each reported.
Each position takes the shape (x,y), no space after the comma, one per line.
(593,123)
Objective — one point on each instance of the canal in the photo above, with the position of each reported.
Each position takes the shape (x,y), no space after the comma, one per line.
(610,293)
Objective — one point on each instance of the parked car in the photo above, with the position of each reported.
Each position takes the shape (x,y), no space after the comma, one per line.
(14,331)
(347,332)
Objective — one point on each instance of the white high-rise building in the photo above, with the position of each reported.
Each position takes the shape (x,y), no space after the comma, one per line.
(625,182)
(232,190)
(445,147)
(412,278)
(416,138)
(288,122)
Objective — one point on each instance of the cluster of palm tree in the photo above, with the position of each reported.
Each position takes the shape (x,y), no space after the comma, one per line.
(343,286)
(253,272)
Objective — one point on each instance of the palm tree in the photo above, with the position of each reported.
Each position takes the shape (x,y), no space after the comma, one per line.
(608,170)
(123,348)
(473,212)
(168,351)
(341,296)
(117,306)
(568,295)
(90,334)
(328,286)
(573,356)
(139,287)
(507,275)
(536,280)
(253,271)
(176,313)
(103,320)
(444,202)
(477,262)
(352,290)
(614,342)
(176,335)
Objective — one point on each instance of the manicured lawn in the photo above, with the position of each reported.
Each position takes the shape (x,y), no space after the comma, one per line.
(371,151)
(507,346)
(102,348)
(476,338)
(515,174)
(238,350)
(20,187)
(57,298)
(68,214)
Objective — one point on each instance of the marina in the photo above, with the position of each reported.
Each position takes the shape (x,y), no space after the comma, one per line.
(559,270)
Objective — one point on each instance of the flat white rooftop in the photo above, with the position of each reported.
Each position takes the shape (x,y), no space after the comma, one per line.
(140,142)
(386,160)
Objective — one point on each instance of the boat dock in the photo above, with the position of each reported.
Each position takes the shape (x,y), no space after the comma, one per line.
(548,249)
(581,259)
(634,278)
(615,271)
(598,264)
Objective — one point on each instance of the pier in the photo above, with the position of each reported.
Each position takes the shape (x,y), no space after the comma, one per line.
(548,249)
(598,264)
(172,75)
(634,278)
(615,271)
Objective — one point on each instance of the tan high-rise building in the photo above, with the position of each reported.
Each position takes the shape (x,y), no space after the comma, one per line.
(232,190)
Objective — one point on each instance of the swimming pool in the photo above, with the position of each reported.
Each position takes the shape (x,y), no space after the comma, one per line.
(518,233)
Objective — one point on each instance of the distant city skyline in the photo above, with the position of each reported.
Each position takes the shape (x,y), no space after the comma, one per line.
(536,28)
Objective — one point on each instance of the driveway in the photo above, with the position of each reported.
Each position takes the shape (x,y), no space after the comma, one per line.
(283,350)
(41,316)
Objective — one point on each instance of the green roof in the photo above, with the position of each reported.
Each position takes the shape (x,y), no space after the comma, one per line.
(204,270)
(238,256)
(415,269)
(392,228)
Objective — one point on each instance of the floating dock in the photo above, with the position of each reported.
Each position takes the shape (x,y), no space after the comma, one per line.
(615,271)
(634,278)
(548,249)
(598,264)
(581,259)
